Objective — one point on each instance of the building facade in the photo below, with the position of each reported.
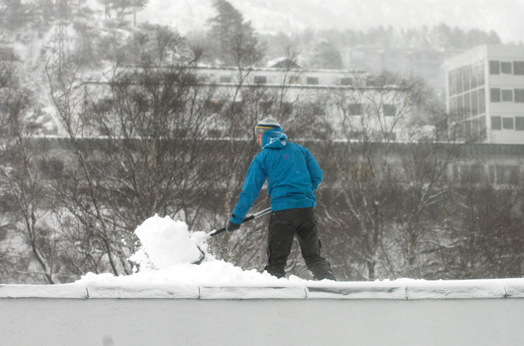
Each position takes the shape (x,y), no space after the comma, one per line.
(351,101)
(485,94)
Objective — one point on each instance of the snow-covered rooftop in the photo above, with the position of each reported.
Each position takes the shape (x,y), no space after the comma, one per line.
(169,249)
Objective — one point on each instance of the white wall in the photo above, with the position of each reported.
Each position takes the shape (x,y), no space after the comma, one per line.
(260,322)
(386,313)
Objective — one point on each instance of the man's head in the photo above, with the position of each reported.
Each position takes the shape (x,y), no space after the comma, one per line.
(263,126)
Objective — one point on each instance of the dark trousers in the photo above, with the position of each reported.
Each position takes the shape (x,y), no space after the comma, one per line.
(283,226)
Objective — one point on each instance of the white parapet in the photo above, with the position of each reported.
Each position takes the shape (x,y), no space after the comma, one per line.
(401,312)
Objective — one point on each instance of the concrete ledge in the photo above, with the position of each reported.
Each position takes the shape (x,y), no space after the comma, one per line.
(143,291)
(481,289)
(357,291)
(389,290)
(284,292)
(67,291)
(514,290)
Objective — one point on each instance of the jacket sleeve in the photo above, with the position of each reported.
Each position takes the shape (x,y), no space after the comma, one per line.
(314,170)
(255,178)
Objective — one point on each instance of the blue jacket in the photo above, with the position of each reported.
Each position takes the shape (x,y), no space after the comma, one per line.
(293,175)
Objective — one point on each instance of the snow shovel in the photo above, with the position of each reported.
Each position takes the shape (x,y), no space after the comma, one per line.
(215,232)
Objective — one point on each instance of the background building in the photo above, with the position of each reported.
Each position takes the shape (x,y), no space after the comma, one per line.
(485,93)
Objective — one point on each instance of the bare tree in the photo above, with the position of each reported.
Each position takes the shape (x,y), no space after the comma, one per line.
(22,183)
(483,235)
(385,177)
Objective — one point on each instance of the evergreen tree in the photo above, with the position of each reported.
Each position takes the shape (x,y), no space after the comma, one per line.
(326,55)
(232,38)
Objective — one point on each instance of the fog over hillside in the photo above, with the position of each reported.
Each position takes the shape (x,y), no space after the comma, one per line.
(271,16)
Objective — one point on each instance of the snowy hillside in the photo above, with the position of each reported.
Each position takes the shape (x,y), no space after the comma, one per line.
(291,16)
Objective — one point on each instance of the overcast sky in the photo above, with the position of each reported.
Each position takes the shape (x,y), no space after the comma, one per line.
(503,16)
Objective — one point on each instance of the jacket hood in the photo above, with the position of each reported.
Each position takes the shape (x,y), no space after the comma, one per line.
(275,139)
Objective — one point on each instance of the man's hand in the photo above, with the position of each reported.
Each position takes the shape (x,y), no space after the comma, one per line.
(232,226)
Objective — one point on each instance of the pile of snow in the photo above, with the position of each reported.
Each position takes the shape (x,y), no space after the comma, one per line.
(167,243)
(167,255)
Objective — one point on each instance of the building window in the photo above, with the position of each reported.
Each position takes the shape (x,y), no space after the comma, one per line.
(507,95)
(214,106)
(236,107)
(473,173)
(312,80)
(286,108)
(495,95)
(260,79)
(355,109)
(467,105)
(519,123)
(346,81)
(481,73)
(390,136)
(474,103)
(103,106)
(265,107)
(460,103)
(458,87)
(225,79)
(474,76)
(358,54)
(494,67)
(506,68)
(356,135)
(519,95)
(467,129)
(505,174)
(360,172)
(294,80)
(518,68)
(465,76)
(482,101)
(482,128)
(496,123)
(507,123)
(475,128)
(389,110)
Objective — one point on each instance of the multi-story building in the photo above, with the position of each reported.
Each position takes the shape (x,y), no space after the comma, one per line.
(352,101)
(355,105)
(485,93)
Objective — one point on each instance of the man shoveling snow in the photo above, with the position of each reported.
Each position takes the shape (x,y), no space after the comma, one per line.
(293,175)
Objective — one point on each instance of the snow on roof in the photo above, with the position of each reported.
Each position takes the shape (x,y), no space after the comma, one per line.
(169,249)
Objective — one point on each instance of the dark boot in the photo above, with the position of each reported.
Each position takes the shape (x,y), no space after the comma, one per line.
(322,271)
(279,274)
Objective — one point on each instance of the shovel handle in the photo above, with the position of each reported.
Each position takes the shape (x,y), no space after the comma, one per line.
(249,218)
